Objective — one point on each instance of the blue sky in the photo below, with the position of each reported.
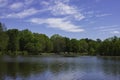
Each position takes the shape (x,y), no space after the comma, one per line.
(71,18)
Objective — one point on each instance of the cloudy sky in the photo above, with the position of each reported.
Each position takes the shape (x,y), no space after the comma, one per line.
(72,18)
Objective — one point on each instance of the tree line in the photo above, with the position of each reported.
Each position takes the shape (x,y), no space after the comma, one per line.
(24,42)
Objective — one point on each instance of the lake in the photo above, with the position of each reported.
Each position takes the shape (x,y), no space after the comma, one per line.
(59,68)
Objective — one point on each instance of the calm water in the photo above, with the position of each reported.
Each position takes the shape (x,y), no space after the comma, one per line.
(59,68)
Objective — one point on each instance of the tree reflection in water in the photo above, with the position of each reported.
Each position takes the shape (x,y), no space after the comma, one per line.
(79,68)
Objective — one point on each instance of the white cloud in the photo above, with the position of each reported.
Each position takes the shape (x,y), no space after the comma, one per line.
(59,23)
(107,27)
(103,15)
(29,2)
(90,12)
(64,9)
(22,14)
(111,29)
(55,7)
(64,1)
(17,5)
(116,32)
(45,3)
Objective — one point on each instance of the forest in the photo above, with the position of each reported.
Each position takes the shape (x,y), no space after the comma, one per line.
(15,42)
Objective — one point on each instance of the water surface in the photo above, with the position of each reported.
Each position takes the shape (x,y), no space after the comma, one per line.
(59,68)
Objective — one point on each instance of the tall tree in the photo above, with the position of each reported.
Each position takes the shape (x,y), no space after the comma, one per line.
(58,43)
(83,46)
(42,43)
(3,38)
(74,45)
(26,40)
(67,45)
(13,44)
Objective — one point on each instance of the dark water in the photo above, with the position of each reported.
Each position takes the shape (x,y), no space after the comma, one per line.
(59,68)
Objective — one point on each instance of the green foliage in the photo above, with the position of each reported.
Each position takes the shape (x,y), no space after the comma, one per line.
(15,42)
(58,43)
(74,45)
(26,38)
(2,27)
(3,41)
(110,47)
(83,46)
(67,45)
(3,38)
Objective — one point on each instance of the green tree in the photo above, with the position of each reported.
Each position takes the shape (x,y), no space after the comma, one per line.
(3,38)
(42,43)
(92,47)
(110,47)
(74,45)
(83,46)
(58,43)
(26,39)
(13,44)
(67,45)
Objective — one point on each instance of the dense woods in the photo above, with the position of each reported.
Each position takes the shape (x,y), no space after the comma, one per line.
(15,42)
